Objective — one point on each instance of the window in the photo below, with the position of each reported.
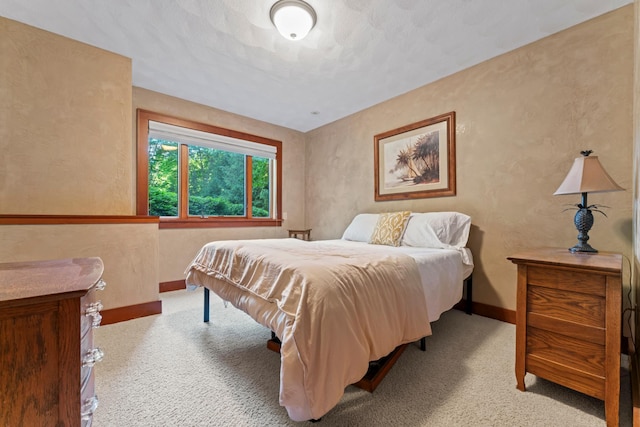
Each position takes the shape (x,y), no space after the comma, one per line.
(196,175)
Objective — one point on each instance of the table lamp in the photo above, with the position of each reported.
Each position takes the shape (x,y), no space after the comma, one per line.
(586,176)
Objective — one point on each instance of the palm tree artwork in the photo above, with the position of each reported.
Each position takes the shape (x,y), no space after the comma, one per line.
(419,162)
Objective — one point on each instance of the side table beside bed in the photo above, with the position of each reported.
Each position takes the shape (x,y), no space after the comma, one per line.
(568,322)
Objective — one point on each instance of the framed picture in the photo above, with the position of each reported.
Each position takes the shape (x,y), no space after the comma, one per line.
(416,161)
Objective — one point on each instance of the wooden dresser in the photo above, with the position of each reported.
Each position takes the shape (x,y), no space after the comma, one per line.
(568,322)
(47,312)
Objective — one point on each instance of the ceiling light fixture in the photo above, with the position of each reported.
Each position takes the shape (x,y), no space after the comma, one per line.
(293,18)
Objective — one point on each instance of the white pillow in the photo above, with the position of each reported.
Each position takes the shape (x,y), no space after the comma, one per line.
(437,230)
(361,227)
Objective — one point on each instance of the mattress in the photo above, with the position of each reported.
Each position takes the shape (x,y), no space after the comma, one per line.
(442,272)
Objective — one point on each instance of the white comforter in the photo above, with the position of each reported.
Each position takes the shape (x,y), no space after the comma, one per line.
(342,307)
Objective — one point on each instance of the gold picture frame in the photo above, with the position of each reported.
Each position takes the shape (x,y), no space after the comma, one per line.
(416,161)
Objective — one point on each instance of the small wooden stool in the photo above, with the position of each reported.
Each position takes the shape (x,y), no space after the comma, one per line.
(304,234)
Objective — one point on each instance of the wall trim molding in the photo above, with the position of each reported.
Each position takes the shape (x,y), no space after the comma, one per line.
(76,219)
(120,314)
(174,285)
(130,312)
(490,311)
(493,312)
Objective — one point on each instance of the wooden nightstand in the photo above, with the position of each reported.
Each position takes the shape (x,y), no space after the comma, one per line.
(304,234)
(568,322)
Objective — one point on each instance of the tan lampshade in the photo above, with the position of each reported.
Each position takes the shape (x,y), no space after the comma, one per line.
(587,176)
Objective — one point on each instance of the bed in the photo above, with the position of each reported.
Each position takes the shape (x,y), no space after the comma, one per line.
(337,305)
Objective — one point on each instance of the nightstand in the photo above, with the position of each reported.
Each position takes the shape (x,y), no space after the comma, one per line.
(568,322)
(304,234)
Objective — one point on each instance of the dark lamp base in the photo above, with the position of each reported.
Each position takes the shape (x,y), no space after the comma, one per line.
(583,222)
(583,247)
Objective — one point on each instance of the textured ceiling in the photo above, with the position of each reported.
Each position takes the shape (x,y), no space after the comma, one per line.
(226,53)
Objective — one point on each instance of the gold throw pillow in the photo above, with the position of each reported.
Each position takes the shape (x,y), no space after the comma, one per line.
(389,228)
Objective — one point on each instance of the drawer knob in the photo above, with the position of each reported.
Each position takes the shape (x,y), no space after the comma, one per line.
(88,408)
(101,285)
(93,307)
(92,357)
(93,310)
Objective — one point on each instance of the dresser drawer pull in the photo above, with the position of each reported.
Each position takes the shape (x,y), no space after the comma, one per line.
(88,408)
(92,357)
(101,285)
(93,310)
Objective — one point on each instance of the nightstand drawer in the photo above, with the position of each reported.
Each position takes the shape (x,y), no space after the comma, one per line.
(584,309)
(563,327)
(567,351)
(567,376)
(573,281)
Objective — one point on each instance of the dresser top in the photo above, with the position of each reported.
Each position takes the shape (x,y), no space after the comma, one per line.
(604,261)
(21,280)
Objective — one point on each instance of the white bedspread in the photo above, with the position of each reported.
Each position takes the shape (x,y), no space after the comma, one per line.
(442,271)
(335,306)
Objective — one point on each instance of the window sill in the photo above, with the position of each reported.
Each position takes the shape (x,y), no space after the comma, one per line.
(216,222)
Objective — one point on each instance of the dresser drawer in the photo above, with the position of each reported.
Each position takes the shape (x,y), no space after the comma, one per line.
(89,356)
(90,306)
(87,388)
(88,408)
(90,319)
(88,398)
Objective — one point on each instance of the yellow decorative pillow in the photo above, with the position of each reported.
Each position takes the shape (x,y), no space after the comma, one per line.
(389,228)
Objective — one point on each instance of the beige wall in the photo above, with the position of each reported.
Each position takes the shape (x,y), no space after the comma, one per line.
(521,120)
(67,134)
(636,188)
(64,125)
(179,246)
(65,139)
(129,253)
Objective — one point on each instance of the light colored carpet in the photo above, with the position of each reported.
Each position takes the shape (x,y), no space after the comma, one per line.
(174,370)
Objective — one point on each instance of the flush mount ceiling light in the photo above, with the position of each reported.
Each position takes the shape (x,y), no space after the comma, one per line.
(293,18)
